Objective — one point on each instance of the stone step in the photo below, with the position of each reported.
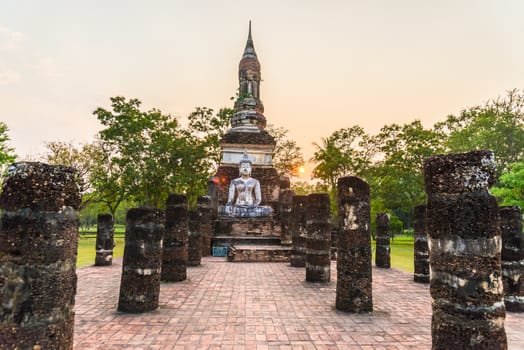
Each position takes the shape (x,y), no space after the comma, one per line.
(258,253)
(245,240)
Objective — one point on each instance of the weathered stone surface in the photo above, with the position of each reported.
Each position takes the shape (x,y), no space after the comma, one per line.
(383,245)
(318,238)
(38,245)
(254,253)
(175,255)
(286,205)
(421,250)
(512,257)
(140,282)
(298,231)
(464,244)
(40,186)
(105,240)
(205,225)
(194,255)
(354,292)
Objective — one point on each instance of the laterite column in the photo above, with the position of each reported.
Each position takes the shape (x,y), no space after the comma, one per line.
(383,253)
(298,231)
(140,282)
(194,252)
(205,223)
(175,256)
(318,238)
(286,205)
(354,277)
(512,257)
(38,246)
(465,245)
(421,250)
(105,243)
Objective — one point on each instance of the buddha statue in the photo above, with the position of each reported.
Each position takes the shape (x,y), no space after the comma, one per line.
(244,194)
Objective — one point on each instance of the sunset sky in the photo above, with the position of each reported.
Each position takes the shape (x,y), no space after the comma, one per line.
(325,64)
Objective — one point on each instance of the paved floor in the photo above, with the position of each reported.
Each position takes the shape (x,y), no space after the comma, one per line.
(257,306)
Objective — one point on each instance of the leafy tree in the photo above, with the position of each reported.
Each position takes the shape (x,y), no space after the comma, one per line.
(497,125)
(7,155)
(396,178)
(510,189)
(288,156)
(346,151)
(207,129)
(147,149)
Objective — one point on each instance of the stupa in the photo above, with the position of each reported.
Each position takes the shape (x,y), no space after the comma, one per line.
(247,137)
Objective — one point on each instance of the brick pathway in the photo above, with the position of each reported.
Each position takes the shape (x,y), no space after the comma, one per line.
(257,306)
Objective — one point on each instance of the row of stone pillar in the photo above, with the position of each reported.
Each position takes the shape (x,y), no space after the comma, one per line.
(158,247)
(311,242)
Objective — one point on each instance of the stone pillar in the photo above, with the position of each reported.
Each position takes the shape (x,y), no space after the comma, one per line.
(105,243)
(286,204)
(205,223)
(512,258)
(175,256)
(465,245)
(140,282)
(383,253)
(298,231)
(38,247)
(421,250)
(354,277)
(194,252)
(318,238)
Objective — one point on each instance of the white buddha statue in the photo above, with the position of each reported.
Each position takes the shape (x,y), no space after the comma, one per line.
(244,194)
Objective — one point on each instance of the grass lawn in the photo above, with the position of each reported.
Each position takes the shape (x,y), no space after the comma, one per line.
(401,253)
(401,249)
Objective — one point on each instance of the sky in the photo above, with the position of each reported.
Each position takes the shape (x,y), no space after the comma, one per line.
(326,65)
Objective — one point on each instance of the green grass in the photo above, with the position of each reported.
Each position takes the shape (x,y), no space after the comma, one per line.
(401,249)
(86,248)
(401,252)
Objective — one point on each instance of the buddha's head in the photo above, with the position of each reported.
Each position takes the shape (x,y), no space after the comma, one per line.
(245,165)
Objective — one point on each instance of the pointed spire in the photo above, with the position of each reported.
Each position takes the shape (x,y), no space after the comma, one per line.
(249,51)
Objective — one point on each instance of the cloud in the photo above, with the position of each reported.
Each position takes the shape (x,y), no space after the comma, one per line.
(10,40)
(8,77)
(19,60)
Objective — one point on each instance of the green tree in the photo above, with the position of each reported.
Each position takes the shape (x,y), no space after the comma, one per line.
(7,155)
(206,129)
(497,125)
(347,151)
(288,156)
(397,178)
(147,148)
(510,189)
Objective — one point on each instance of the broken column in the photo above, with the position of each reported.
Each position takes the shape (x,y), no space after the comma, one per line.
(175,255)
(286,205)
(105,243)
(38,247)
(512,257)
(465,245)
(298,231)
(205,223)
(318,238)
(354,277)
(421,251)
(194,250)
(383,246)
(140,281)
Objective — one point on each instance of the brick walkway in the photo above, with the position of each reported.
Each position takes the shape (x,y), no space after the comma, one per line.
(257,306)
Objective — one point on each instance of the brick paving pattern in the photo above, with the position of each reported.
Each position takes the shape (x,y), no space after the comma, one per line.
(259,306)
